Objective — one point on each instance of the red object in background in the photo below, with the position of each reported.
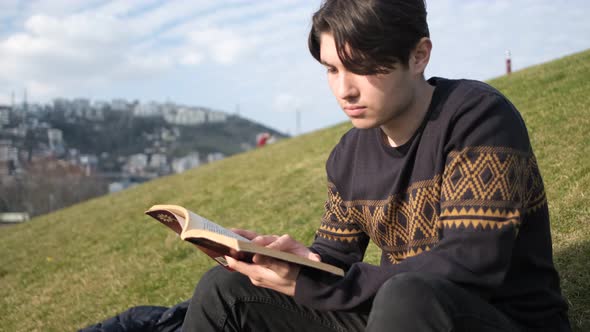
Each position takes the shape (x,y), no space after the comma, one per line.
(262,139)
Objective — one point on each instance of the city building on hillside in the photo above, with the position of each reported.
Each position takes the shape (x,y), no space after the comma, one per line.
(120,105)
(211,157)
(216,116)
(147,109)
(81,104)
(9,162)
(136,164)
(13,217)
(100,104)
(158,161)
(170,135)
(34,108)
(19,132)
(185,163)
(4,115)
(121,185)
(54,138)
(61,104)
(8,152)
(94,114)
(89,162)
(185,116)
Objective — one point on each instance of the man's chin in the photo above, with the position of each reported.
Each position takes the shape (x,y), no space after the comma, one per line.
(361,123)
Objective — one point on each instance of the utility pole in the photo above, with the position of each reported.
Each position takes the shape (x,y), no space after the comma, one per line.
(25,103)
(297,122)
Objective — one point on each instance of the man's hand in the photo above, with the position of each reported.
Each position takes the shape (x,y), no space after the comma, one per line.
(269,272)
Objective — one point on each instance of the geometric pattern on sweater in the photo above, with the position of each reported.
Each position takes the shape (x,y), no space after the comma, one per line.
(482,189)
(495,177)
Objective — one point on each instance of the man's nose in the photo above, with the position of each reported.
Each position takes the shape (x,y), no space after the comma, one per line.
(347,88)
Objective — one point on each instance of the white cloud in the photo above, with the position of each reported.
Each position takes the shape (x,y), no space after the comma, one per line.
(123,8)
(229,33)
(77,47)
(168,13)
(76,44)
(191,59)
(223,46)
(79,50)
(91,30)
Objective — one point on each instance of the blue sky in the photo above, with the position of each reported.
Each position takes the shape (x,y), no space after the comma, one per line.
(248,55)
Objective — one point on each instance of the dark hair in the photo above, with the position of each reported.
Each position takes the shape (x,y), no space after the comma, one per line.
(371,36)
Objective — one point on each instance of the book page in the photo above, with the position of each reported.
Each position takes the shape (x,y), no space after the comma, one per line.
(168,219)
(198,222)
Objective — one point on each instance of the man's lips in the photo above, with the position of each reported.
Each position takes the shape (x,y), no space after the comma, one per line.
(354,111)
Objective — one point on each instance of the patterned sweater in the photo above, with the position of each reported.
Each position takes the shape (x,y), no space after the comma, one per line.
(462,199)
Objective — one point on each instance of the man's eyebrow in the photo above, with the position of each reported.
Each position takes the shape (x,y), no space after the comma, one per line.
(325,63)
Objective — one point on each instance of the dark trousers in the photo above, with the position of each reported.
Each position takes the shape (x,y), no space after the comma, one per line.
(227,301)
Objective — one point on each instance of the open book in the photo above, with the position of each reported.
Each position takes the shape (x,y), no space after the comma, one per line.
(217,242)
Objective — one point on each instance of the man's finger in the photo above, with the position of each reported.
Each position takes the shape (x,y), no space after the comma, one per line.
(265,240)
(248,234)
(279,267)
(242,267)
(314,257)
(283,243)
(263,260)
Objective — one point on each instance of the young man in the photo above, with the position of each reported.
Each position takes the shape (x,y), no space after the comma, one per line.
(440,174)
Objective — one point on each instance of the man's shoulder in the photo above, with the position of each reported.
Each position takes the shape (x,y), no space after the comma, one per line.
(475,97)
(477,114)
(465,89)
(476,86)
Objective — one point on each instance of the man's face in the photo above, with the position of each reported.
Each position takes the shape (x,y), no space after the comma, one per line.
(368,100)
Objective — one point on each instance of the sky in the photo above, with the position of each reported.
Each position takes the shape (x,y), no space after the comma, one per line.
(249,57)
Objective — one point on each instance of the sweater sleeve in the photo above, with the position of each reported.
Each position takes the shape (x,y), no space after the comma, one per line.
(489,179)
(339,241)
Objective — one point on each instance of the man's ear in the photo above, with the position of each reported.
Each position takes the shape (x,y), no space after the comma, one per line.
(421,55)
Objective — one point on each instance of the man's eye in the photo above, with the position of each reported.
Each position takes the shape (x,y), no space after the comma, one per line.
(331,70)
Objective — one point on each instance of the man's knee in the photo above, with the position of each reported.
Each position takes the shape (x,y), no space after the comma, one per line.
(219,284)
(407,290)
(409,302)
(215,277)
(213,299)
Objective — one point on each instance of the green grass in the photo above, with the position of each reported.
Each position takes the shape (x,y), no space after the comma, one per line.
(79,265)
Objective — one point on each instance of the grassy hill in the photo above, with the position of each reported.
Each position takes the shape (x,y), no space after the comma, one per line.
(82,264)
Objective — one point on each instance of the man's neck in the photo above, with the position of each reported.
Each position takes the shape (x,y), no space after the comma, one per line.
(403,128)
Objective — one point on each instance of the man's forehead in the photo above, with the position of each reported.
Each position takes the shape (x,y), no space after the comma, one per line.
(328,53)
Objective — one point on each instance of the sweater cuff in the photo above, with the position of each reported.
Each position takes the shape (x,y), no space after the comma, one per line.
(309,286)
(305,285)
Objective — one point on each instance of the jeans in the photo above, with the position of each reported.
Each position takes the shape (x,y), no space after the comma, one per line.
(227,301)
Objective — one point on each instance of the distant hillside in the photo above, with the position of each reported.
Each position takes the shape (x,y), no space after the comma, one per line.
(82,264)
(53,156)
(122,134)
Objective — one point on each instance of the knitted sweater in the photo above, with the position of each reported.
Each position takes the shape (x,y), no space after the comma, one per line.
(462,199)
